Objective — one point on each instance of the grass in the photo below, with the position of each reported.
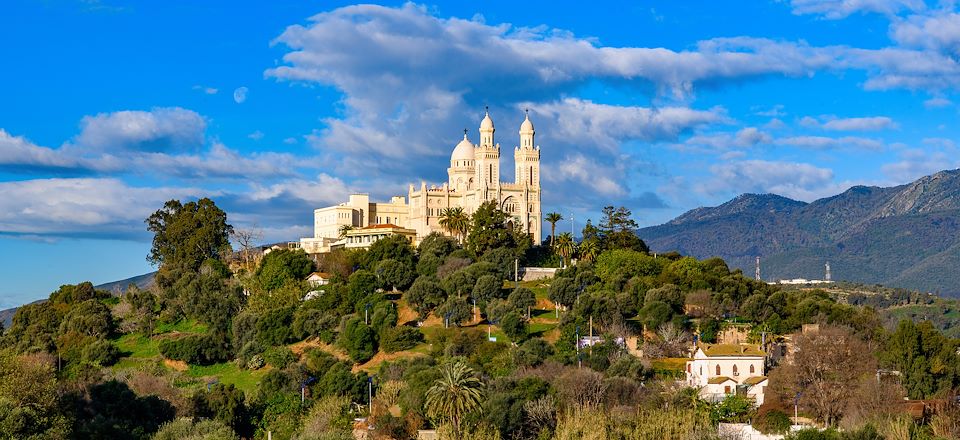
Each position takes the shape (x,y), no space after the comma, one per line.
(182,326)
(228,373)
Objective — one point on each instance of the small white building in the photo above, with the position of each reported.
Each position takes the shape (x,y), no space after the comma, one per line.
(720,370)
(318,279)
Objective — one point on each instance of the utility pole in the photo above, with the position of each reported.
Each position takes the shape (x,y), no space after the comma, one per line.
(758,269)
(577,341)
(516,273)
(591,335)
(827,275)
(370,393)
(571,224)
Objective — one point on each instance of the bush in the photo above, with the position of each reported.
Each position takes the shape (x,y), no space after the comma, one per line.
(488,288)
(400,338)
(533,352)
(196,349)
(359,340)
(187,429)
(101,352)
(456,309)
(256,362)
(273,327)
(279,357)
(514,326)
(772,422)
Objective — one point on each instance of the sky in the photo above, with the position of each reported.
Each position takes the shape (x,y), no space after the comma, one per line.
(109,108)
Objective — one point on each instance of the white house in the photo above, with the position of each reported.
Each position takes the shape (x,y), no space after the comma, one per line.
(720,370)
(318,279)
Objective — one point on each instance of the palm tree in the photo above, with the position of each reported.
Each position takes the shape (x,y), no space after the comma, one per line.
(457,392)
(344,229)
(565,245)
(589,249)
(455,221)
(553,218)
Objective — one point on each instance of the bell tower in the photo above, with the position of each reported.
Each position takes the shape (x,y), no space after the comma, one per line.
(487,157)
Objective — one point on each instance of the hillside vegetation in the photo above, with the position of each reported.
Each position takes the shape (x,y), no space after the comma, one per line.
(439,337)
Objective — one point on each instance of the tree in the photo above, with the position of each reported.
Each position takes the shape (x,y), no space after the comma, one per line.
(589,249)
(395,274)
(344,229)
(826,369)
(523,299)
(553,218)
(618,230)
(455,394)
(563,291)
(514,326)
(29,400)
(246,239)
(455,221)
(491,228)
(186,235)
(927,360)
(487,288)
(359,340)
(565,246)
(425,295)
(456,310)
(281,266)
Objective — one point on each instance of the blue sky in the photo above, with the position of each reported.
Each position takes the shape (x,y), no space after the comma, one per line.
(108,108)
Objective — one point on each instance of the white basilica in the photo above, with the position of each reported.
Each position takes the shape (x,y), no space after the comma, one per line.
(473,178)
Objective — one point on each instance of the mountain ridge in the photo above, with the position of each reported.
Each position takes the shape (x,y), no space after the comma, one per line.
(901,236)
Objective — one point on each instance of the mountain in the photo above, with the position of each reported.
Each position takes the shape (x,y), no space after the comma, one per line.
(905,236)
(144,281)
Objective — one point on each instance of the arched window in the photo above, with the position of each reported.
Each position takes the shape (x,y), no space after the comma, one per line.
(752,369)
(734,369)
(718,370)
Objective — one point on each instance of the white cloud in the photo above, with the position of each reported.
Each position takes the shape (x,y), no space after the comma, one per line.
(207,90)
(82,206)
(798,181)
(860,124)
(723,141)
(914,163)
(161,129)
(583,122)
(837,9)
(256,135)
(939,31)
(240,95)
(18,153)
(829,143)
(937,102)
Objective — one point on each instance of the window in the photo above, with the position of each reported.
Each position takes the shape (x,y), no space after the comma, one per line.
(752,369)
(531,176)
(726,389)
(735,373)
(688,368)
(718,370)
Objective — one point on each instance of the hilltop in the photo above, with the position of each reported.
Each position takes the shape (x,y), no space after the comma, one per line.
(903,236)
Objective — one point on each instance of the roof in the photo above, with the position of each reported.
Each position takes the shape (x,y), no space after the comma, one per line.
(719,380)
(383,226)
(755,380)
(320,274)
(733,350)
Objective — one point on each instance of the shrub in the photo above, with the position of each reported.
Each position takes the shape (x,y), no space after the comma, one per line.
(514,326)
(279,357)
(101,352)
(273,327)
(359,340)
(400,338)
(256,362)
(196,349)
(772,422)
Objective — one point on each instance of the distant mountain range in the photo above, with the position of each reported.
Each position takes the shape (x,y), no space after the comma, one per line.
(144,281)
(904,236)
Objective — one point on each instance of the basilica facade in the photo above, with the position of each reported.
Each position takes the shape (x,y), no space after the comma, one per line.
(472,179)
